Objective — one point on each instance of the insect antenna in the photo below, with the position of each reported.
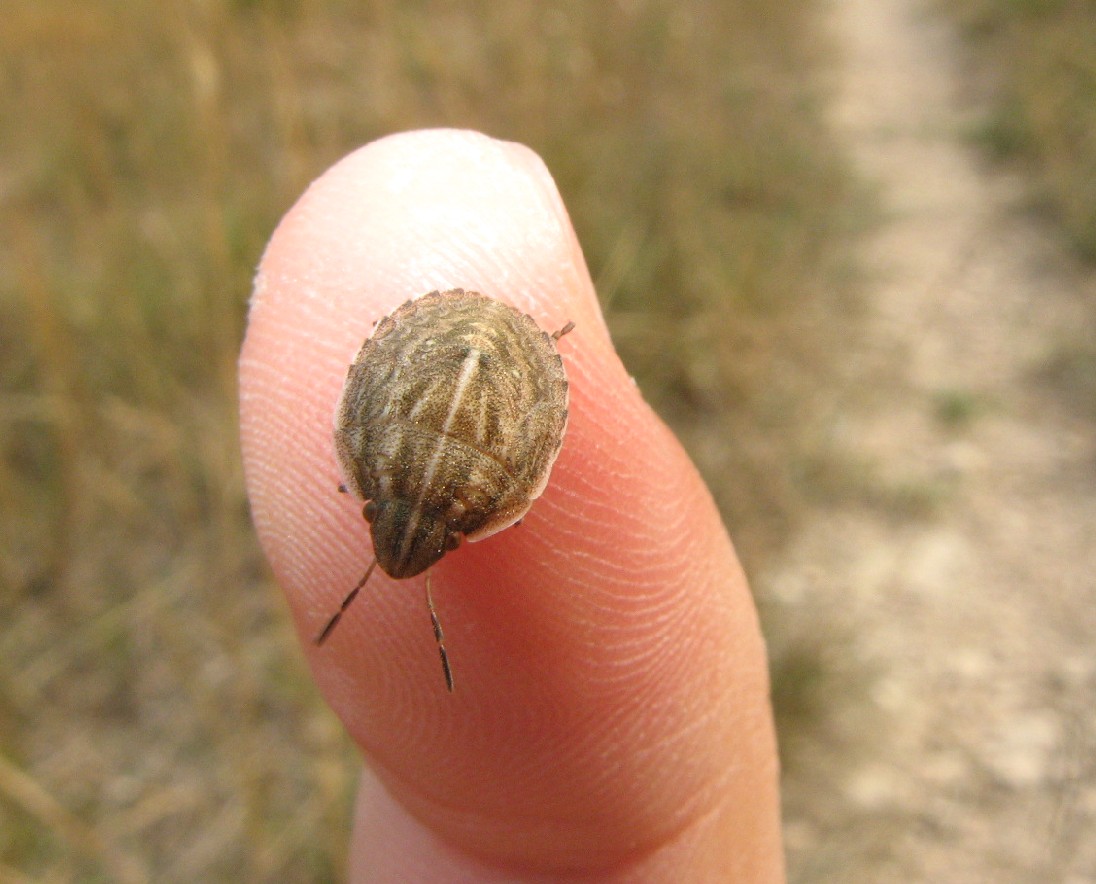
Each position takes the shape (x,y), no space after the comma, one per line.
(439,636)
(346,603)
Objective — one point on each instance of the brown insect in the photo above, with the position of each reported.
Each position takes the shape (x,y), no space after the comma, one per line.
(451,417)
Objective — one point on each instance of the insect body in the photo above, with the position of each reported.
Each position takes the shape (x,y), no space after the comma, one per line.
(452,415)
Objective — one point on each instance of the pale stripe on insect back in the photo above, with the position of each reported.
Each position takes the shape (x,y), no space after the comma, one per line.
(464,380)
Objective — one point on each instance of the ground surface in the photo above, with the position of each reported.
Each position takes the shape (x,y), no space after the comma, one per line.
(959,592)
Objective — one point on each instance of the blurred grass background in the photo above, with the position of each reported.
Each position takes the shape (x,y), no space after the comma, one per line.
(156,721)
(1035,60)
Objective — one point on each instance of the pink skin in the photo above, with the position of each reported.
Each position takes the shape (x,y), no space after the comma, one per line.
(611,717)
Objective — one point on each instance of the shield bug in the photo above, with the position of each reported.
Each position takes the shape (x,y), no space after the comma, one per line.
(451,417)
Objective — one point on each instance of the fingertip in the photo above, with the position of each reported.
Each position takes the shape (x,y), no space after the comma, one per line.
(609,667)
(431,209)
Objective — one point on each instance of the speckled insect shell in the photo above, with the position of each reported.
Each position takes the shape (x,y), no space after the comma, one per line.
(451,418)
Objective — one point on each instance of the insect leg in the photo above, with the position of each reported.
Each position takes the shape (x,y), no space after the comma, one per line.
(569,327)
(346,603)
(439,636)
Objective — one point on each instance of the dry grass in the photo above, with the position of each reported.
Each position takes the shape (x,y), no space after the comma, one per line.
(1039,57)
(155,719)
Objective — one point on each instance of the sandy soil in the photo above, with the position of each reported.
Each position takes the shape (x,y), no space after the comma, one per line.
(959,598)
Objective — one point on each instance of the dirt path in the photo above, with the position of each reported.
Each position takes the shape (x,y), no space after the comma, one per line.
(958,604)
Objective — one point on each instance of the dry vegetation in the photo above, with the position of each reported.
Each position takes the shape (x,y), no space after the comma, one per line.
(155,719)
(1039,59)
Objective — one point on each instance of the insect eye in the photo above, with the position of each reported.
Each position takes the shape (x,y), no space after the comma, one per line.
(369,511)
(452,540)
